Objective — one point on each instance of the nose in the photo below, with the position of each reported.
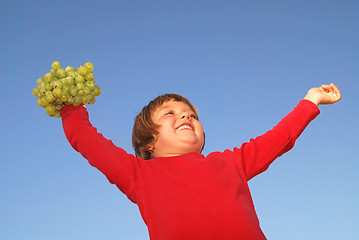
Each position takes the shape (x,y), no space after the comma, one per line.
(185,115)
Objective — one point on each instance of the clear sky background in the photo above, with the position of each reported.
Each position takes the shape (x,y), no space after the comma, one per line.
(244,64)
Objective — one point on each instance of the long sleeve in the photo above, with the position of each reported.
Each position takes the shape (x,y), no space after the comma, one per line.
(119,167)
(256,156)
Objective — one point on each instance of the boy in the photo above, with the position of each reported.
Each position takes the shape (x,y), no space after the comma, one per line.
(182,194)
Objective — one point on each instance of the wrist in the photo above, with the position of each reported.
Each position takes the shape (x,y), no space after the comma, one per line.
(314,100)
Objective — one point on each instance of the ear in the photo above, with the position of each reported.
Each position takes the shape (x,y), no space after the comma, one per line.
(150,149)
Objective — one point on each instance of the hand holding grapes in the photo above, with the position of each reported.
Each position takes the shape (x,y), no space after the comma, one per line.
(61,87)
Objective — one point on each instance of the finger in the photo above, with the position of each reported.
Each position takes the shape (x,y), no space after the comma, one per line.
(325,88)
(336,91)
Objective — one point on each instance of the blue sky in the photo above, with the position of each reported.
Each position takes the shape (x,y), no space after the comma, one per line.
(244,64)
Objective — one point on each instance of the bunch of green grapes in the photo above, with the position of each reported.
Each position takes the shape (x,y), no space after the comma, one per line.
(61,87)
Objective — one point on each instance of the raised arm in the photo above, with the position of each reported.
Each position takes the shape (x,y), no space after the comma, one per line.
(119,167)
(259,153)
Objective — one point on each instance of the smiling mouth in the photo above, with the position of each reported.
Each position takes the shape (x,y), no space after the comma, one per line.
(185,127)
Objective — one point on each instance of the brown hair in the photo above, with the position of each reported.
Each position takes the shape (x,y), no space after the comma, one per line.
(144,130)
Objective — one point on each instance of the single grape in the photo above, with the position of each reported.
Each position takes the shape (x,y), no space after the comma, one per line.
(72,74)
(81,92)
(63,81)
(86,90)
(92,101)
(47,86)
(50,97)
(43,90)
(79,79)
(57,114)
(90,85)
(39,81)
(84,99)
(61,73)
(41,94)
(41,85)
(36,91)
(39,102)
(59,106)
(57,84)
(82,70)
(65,89)
(56,65)
(92,94)
(57,92)
(80,86)
(44,101)
(73,91)
(69,81)
(54,79)
(64,97)
(77,100)
(70,68)
(97,91)
(88,66)
(70,101)
(50,109)
(89,76)
(48,77)
(58,101)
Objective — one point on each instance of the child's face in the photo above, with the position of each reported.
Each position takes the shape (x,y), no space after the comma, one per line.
(180,132)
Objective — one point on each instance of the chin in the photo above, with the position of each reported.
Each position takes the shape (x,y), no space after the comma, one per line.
(193,148)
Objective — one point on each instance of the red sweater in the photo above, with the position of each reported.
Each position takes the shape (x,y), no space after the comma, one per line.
(190,196)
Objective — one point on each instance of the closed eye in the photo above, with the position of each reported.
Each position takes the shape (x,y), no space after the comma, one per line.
(169,113)
(194,116)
